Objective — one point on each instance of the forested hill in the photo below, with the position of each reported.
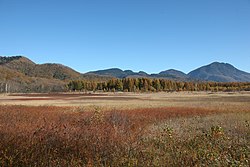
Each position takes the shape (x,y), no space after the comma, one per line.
(29,68)
(20,74)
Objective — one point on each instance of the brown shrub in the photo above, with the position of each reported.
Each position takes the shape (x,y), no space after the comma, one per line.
(57,136)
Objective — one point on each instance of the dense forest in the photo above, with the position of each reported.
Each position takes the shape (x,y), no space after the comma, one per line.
(154,85)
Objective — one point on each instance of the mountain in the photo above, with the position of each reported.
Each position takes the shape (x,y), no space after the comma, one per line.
(23,75)
(172,74)
(219,72)
(118,73)
(29,68)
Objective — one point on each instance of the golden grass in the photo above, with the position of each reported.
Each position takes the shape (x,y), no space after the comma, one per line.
(223,101)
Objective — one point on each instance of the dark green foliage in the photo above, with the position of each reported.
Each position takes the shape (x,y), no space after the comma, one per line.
(4,60)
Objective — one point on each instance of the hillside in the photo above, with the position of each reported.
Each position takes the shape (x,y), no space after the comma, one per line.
(49,70)
(220,72)
(23,75)
(15,81)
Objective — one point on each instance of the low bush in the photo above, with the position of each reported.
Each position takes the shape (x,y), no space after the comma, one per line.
(58,136)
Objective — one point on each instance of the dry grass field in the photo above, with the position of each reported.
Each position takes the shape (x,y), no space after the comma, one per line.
(125,129)
(221,101)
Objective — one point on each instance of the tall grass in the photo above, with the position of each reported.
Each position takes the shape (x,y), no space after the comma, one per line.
(53,136)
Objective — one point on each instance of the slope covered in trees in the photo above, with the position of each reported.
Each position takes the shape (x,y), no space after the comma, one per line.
(19,74)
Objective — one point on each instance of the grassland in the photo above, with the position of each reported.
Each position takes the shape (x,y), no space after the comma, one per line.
(158,129)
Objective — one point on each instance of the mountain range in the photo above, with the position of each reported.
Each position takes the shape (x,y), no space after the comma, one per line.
(118,73)
(23,75)
(217,72)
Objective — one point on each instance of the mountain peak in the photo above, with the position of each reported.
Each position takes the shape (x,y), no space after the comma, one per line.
(16,59)
(173,74)
(111,72)
(5,59)
(220,72)
(220,64)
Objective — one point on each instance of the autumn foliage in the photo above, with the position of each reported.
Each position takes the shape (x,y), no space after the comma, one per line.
(154,85)
(66,136)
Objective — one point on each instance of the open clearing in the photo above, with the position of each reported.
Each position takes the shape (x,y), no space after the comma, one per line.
(221,101)
(125,129)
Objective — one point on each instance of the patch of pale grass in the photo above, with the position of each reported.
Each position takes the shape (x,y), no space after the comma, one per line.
(235,124)
(219,101)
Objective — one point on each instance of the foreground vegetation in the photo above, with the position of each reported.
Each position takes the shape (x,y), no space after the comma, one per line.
(66,136)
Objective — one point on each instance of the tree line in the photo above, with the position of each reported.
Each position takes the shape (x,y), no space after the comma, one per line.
(154,85)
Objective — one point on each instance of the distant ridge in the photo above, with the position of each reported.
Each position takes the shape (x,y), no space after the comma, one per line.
(217,72)
(220,72)
(172,74)
(118,73)
(113,72)
(26,76)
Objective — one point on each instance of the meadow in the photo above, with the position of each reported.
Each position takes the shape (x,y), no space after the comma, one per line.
(125,129)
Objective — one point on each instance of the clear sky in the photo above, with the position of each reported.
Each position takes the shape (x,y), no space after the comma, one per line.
(149,35)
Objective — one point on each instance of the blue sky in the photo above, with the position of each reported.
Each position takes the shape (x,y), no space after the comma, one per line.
(149,35)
